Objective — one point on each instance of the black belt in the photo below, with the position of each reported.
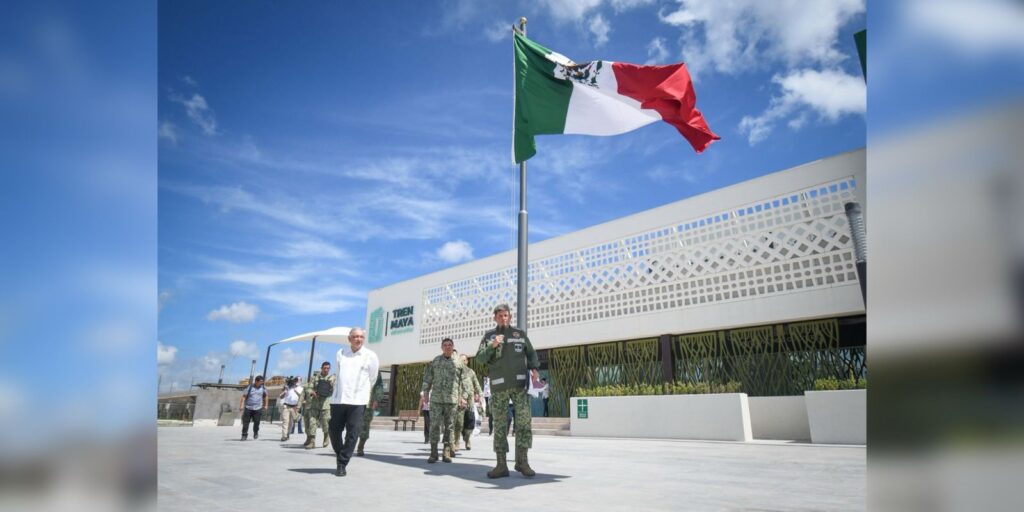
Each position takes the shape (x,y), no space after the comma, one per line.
(286,405)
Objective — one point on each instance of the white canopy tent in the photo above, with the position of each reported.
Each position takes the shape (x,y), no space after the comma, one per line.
(336,335)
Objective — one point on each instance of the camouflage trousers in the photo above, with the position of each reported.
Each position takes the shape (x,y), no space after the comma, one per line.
(521,404)
(367,419)
(460,416)
(442,417)
(318,415)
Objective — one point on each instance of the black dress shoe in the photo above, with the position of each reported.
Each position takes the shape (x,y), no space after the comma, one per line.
(340,471)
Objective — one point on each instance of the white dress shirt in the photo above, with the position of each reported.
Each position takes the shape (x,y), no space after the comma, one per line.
(357,372)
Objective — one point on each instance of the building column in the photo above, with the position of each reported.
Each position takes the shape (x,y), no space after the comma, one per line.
(668,370)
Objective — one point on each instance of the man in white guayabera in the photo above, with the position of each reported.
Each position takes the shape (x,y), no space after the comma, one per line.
(357,371)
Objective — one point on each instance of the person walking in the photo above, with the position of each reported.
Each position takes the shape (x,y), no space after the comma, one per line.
(254,402)
(375,397)
(471,394)
(358,367)
(509,357)
(289,404)
(318,405)
(442,385)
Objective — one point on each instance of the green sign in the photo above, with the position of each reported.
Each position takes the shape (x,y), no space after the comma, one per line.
(581,408)
(376,329)
(401,320)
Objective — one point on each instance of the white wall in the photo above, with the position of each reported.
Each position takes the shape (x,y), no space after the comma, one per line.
(779,417)
(838,417)
(720,417)
(672,291)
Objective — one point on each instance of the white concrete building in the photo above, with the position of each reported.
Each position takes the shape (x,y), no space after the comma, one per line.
(766,253)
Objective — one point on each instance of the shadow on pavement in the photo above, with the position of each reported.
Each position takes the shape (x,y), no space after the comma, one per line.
(463,467)
(313,471)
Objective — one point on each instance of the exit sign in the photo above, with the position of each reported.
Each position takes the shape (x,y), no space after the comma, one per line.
(581,408)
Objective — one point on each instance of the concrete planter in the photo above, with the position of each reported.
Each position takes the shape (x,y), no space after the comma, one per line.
(779,417)
(838,417)
(720,417)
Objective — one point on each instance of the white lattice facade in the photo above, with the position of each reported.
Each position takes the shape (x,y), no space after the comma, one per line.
(783,254)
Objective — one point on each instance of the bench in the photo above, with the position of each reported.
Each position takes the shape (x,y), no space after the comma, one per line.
(405,417)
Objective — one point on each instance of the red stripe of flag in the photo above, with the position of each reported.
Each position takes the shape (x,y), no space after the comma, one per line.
(668,91)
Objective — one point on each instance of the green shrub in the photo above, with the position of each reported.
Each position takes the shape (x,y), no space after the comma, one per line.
(834,384)
(668,388)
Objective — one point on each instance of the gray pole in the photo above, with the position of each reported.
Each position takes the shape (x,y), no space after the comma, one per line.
(312,349)
(267,361)
(523,269)
(252,370)
(855,216)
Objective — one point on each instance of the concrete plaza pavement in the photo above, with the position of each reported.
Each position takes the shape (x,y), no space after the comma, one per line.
(208,468)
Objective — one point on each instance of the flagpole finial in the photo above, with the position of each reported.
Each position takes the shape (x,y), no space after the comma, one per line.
(522,23)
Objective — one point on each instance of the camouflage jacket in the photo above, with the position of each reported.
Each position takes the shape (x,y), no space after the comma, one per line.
(470,384)
(377,393)
(442,380)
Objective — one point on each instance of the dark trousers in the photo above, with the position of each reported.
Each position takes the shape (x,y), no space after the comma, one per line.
(490,417)
(254,416)
(426,426)
(347,419)
(545,407)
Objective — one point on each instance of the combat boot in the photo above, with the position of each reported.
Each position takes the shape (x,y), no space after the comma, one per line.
(522,463)
(359,447)
(500,469)
(447,455)
(433,453)
(467,436)
(310,443)
(327,439)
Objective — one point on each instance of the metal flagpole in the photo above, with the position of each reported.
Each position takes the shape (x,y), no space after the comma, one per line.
(521,296)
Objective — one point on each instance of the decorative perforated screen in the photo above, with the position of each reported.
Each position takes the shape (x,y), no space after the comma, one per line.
(781,244)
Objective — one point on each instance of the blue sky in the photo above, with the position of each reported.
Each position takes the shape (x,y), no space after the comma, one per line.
(308,155)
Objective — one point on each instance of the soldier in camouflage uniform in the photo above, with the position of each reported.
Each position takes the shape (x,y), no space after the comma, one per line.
(442,382)
(471,386)
(375,395)
(318,408)
(510,359)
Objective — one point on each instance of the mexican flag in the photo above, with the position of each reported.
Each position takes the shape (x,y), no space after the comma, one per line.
(556,95)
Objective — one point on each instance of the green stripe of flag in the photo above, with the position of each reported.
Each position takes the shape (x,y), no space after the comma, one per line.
(542,101)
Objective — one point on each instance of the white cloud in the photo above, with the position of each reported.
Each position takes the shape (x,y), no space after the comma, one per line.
(570,10)
(657,53)
(242,348)
(162,299)
(831,94)
(972,26)
(316,299)
(736,36)
(210,363)
(456,251)
(199,112)
(625,5)
(600,28)
(498,31)
(313,248)
(239,312)
(289,360)
(165,354)
(168,132)
(189,81)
